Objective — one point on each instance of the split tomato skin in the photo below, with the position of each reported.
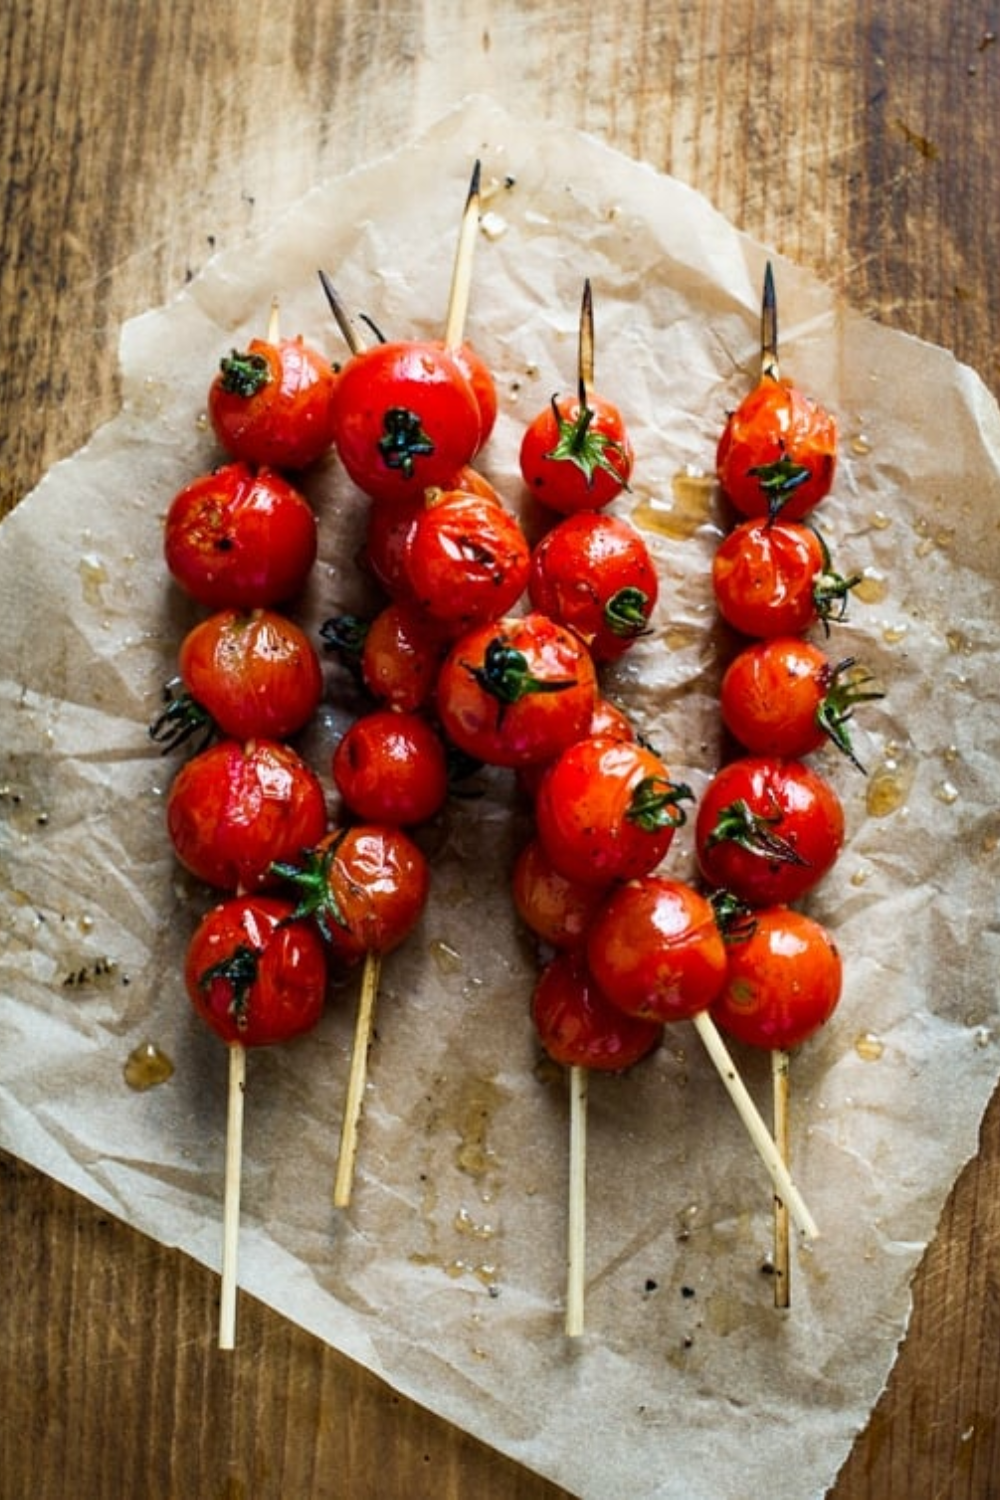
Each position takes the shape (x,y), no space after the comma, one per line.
(577,1024)
(391,767)
(768,829)
(778,452)
(593,572)
(467,559)
(255,672)
(783,981)
(555,465)
(656,950)
(253,974)
(514,692)
(240,539)
(607,809)
(405,418)
(233,809)
(272,404)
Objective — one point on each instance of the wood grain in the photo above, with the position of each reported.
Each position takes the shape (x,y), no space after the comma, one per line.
(859,137)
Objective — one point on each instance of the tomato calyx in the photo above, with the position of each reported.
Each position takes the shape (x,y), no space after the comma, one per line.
(626,613)
(345,636)
(578,445)
(239,971)
(182,721)
(656,803)
(779,480)
(734,917)
(313,885)
(830,589)
(244,374)
(848,685)
(403,439)
(739,824)
(505,675)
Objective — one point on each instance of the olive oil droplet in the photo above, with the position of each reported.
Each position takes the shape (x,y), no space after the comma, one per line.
(146,1066)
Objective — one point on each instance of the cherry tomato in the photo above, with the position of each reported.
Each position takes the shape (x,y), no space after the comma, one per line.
(784,696)
(516,691)
(768,829)
(594,573)
(391,767)
(365,887)
(254,975)
(607,810)
(247,673)
(233,809)
(556,909)
(401,655)
(273,404)
(239,539)
(579,1027)
(778,452)
(480,378)
(783,981)
(405,417)
(607,718)
(387,538)
(576,455)
(656,950)
(775,578)
(467,559)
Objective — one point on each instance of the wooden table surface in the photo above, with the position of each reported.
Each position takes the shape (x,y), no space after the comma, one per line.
(860,137)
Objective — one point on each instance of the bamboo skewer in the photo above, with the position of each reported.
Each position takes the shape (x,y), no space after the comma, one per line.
(461,276)
(231,1195)
(577,1236)
(344,1180)
(782,1260)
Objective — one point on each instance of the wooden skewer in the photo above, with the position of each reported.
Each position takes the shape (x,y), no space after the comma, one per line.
(274,323)
(231,1195)
(585,345)
(577,1240)
(782,1260)
(344,321)
(756,1129)
(769,328)
(461,276)
(344,1181)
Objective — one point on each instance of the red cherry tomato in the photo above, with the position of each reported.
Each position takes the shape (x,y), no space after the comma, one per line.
(365,887)
(594,573)
(607,810)
(576,455)
(776,578)
(778,452)
(391,767)
(253,974)
(516,691)
(387,538)
(467,559)
(656,950)
(273,404)
(579,1027)
(251,674)
(401,655)
(783,981)
(606,718)
(234,809)
(784,696)
(480,378)
(768,829)
(239,539)
(557,910)
(405,417)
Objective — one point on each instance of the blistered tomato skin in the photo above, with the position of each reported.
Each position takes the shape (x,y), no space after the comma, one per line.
(593,572)
(783,981)
(240,539)
(272,404)
(255,672)
(254,975)
(559,911)
(233,809)
(577,1024)
(778,452)
(467,559)
(656,950)
(764,575)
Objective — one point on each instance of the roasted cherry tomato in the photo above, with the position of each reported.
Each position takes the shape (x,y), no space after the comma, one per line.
(579,1027)
(656,949)
(467,559)
(272,404)
(768,829)
(576,454)
(480,378)
(253,974)
(784,696)
(405,417)
(365,887)
(391,767)
(247,673)
(778,452)
(239,539)
(608,809)
(594,573)
(607,718)
(234,809)
(402,652)
(776,578)
(783,981)
(558,910)
(516,691)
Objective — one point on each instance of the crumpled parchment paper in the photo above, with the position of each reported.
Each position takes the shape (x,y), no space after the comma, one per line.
(446,1276)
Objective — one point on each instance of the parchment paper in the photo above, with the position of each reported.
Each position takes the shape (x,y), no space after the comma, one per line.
(446,1276)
